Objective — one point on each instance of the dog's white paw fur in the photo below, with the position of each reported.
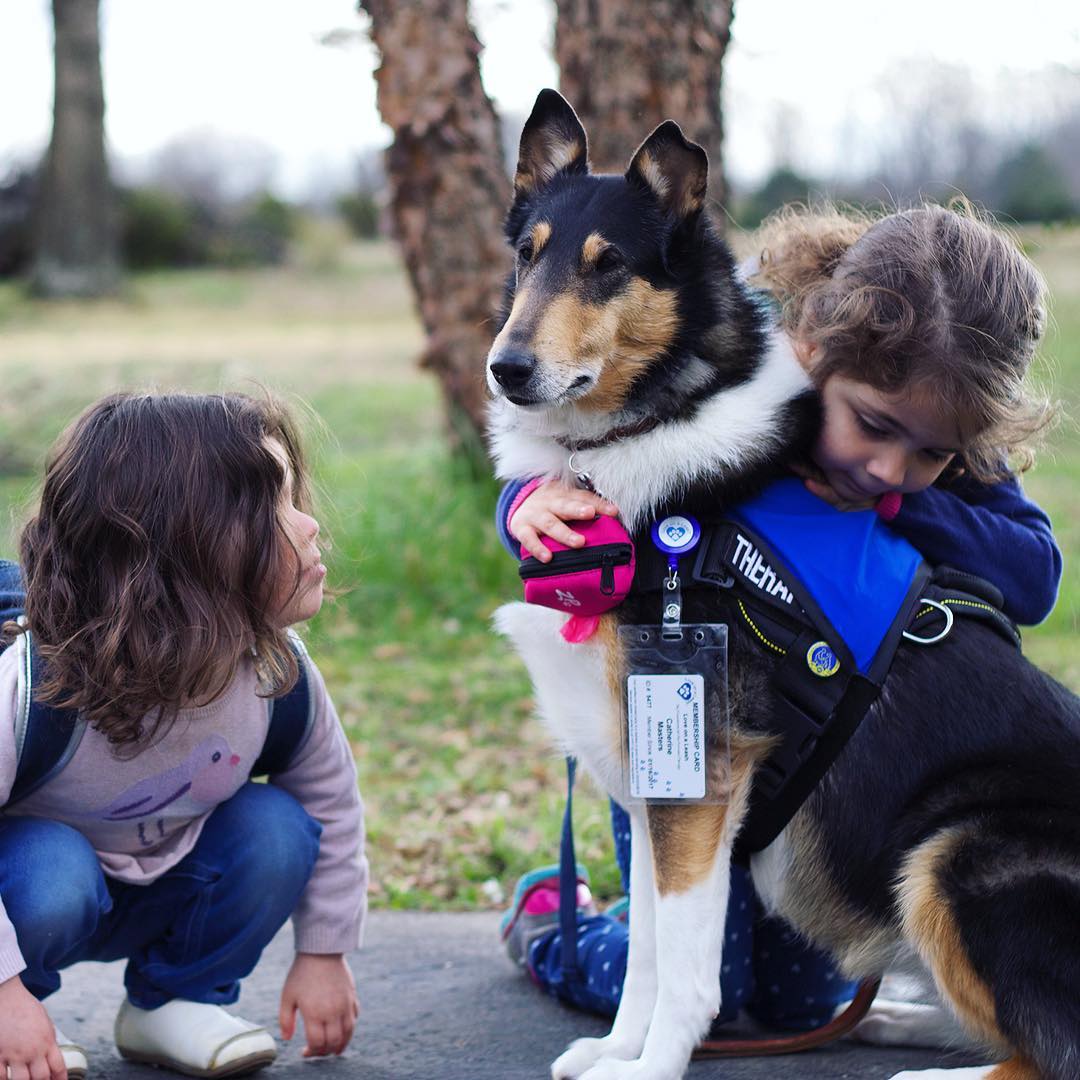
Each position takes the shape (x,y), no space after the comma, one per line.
(978,1072)
(580,1056)
(612,1069)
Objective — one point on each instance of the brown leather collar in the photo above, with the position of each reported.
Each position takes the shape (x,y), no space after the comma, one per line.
(614,435)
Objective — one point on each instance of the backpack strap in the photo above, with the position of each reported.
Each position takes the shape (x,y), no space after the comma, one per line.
(46,737)
(292,717)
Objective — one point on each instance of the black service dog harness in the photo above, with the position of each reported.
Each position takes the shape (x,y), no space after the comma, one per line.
(823,686)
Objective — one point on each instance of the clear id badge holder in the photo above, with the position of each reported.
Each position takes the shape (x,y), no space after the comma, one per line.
(676,736)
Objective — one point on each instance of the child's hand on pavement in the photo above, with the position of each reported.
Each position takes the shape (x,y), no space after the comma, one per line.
(27,1038)
(322,988)
(548,508)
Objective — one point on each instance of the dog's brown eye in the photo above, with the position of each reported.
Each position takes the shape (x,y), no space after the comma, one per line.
(609,259)
(526,251)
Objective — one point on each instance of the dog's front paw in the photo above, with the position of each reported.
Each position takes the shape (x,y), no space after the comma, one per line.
(619,1069)
(581,1055)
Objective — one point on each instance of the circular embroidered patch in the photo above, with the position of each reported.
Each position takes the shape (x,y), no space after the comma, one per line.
(821,660)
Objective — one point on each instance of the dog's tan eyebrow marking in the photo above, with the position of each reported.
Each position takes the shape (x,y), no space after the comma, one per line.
(541,234)
(593,248)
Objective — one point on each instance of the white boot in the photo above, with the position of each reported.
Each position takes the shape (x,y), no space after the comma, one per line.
(912,1023)
(192,1038)
(74,1055)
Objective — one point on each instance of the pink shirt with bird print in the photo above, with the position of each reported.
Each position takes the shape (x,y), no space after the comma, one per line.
(144,814)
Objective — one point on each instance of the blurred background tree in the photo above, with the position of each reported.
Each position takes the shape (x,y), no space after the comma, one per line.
(1030,186)
(448,193)
(783,185)
(628,66)
(75,224)
(360,207)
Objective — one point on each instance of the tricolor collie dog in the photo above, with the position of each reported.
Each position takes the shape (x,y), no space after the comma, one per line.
(947,833)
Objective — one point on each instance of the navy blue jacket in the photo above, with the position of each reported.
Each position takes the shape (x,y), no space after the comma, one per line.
(992,530)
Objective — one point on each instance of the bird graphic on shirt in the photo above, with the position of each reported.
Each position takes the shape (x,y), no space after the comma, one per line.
(207,775)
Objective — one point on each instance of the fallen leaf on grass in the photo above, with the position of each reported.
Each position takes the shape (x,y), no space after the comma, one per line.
(390,650)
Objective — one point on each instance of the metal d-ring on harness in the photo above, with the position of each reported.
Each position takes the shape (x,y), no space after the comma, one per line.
(942,634)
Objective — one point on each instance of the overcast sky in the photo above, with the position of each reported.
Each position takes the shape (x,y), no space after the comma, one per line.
(824,76)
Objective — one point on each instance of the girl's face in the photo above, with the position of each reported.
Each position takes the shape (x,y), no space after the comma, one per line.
(872,442)
(296,599)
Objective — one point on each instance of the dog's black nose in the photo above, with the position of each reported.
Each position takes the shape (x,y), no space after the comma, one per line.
(512,370)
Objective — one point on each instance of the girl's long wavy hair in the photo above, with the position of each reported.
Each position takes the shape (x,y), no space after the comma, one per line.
(932,299)
(151,563)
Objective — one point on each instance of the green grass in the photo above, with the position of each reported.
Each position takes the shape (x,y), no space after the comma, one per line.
(1055,481)
(461,784)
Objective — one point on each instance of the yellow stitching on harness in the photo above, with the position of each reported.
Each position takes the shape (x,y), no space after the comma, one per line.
(957,600)
(764,640)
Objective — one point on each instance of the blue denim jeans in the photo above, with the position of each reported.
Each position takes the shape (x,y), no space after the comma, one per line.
(194,933)
(12,593)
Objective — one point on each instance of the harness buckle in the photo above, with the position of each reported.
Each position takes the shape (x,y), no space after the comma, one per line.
(944,633)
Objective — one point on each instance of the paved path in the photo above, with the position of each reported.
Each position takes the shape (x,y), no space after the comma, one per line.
(439,1001)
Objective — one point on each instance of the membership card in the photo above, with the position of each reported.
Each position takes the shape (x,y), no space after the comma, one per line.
(666,717)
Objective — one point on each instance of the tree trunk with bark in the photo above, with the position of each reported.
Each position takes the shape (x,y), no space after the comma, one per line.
(449,190)
(628,65)
(75,224)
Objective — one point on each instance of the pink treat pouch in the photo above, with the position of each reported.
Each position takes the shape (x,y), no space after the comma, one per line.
(585,581)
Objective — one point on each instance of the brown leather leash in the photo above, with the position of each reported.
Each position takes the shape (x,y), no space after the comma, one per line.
(804,1040)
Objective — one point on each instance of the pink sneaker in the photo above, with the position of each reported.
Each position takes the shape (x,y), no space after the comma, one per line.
(535,909)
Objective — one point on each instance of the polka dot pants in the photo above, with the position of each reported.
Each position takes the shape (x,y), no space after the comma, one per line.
(766,968)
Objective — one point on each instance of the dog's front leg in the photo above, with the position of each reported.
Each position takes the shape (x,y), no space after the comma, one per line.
(627,1035)
(692,859)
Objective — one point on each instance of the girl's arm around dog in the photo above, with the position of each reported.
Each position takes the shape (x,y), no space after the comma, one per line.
(992,530)
(545,507)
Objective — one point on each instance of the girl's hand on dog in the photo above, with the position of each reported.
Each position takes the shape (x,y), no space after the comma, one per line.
(546,511)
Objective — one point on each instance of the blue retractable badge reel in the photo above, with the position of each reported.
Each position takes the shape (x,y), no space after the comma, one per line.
(675,536)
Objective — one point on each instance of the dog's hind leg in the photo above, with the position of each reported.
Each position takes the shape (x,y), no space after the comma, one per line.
(638,997)
(992,911)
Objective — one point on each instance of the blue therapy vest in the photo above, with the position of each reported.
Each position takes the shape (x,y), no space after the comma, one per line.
(857,572)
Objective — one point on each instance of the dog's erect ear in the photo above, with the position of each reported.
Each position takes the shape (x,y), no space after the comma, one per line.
(673,168)
(553,141)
